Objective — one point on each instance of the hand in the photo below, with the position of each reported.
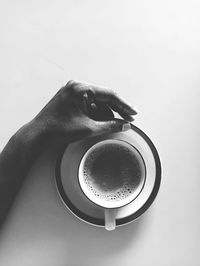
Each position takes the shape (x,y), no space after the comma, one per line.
(81,110)
(77,111)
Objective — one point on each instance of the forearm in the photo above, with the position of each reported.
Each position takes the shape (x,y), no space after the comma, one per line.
(15,161)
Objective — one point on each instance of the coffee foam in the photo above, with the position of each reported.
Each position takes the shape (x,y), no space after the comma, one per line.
(130,174)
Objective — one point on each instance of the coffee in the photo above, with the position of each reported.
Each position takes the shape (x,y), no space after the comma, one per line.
(113,171)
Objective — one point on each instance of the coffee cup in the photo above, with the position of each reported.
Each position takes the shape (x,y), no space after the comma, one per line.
(111,174)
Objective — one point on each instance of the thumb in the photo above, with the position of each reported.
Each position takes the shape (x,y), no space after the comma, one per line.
(111,126)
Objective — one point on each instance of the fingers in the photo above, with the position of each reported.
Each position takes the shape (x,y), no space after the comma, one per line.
(95,95)
(112,126)
(96,110)
(101,95)
(114,101)
(100,112)
(125,116)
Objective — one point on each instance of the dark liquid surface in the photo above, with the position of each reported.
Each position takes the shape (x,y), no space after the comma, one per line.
(113,170)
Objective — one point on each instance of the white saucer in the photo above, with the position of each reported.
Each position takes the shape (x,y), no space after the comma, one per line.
(72,195)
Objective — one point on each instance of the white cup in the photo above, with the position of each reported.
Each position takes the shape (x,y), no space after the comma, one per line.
(111,174)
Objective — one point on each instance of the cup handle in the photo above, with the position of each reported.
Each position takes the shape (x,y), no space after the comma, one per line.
(110,219)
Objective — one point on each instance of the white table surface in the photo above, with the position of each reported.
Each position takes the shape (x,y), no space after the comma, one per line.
(148,51)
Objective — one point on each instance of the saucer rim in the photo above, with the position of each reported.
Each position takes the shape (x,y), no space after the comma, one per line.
(120,221)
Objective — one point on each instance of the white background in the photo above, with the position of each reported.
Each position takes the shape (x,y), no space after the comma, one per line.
(148,51)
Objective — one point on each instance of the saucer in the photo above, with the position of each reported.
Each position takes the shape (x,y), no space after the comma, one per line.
(66,176)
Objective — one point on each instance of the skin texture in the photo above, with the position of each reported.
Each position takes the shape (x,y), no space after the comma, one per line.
(77,111)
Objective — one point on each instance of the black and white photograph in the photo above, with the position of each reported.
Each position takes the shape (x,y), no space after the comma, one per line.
(100,133)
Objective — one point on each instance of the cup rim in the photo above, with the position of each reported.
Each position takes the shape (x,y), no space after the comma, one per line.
(134,195)
(89,218)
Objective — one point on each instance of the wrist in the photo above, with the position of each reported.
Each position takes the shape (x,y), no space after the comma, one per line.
(20,152)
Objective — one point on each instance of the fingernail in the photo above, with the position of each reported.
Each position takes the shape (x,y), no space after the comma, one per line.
(132,119)
(126,127)
(135,110)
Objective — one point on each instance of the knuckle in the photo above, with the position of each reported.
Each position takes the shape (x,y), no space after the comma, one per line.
(79,88)
(90,92)
(86,91)
(70,83)
(72,87)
